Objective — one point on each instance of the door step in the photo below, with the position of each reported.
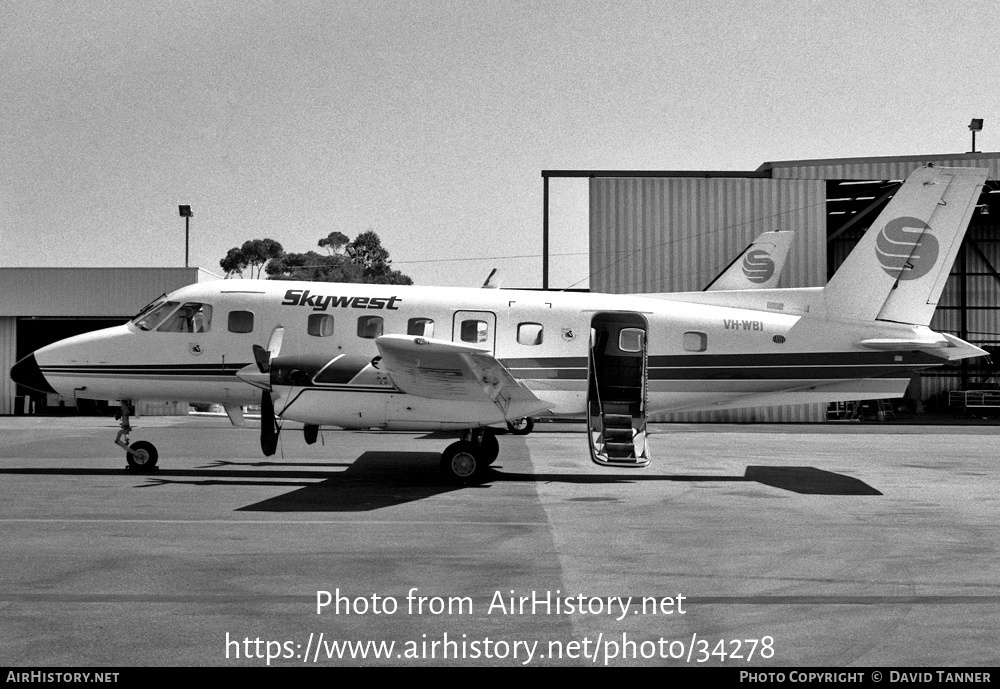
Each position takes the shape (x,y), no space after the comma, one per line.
(618,440)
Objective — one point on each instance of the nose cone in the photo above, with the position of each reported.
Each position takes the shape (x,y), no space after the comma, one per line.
(26,372)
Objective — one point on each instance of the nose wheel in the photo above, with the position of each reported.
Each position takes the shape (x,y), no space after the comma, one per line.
(141,455)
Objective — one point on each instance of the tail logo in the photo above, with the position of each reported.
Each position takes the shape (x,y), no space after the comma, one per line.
(758,266)
(904,250)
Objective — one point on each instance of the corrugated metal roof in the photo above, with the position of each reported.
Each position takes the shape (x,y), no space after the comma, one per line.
(88,292)
(888,167)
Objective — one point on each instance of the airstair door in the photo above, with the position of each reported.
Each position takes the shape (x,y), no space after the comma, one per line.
(616,398)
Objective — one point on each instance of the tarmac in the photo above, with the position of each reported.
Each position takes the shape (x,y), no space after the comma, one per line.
(740,546)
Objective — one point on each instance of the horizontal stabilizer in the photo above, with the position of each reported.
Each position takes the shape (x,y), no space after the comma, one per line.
(949,348)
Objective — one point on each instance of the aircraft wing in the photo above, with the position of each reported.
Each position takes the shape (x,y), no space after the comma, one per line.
(443,370)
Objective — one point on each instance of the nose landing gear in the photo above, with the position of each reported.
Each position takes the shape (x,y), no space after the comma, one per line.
(141,456)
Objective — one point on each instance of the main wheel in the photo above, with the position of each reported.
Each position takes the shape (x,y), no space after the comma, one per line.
(521,426)
(461,463)
(311,432)
(489,448)
(143,456)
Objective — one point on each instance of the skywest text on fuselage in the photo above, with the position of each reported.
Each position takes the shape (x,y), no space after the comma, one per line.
(297,297)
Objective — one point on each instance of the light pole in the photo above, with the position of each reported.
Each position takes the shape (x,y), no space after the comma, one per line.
(187,215)
(975,126)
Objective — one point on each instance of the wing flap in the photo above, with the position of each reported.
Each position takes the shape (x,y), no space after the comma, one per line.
(439,369)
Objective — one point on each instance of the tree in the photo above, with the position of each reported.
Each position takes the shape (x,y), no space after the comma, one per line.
(314,266)
(368,254)
(253,255)
(233,262)
(335,242)
(362,260)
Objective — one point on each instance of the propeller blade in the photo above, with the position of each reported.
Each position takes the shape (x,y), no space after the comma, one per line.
(262,357)
(268,428)
(274,344)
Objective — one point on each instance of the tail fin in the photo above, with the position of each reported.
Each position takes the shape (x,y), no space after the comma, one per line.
(899,268)
(758,267)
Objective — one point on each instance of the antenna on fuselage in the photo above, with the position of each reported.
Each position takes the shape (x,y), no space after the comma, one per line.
(490,283)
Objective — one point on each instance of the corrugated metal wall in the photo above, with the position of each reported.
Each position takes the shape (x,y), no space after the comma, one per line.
(86,292)
(669,234)
(81,293)
(677,234)
(8,352)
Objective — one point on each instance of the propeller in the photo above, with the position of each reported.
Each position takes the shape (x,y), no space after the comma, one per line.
(261,378)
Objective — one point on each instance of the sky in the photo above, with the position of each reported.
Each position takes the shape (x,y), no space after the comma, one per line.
(430,122)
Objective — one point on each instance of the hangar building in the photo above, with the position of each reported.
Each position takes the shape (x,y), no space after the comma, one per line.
(42,305)
(680,229)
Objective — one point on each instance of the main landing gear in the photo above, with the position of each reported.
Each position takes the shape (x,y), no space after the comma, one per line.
(521,426)
(465,462)
(141,456)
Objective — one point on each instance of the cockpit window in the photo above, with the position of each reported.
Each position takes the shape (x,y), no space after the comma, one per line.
(148,318)
(148,307)
(192,317)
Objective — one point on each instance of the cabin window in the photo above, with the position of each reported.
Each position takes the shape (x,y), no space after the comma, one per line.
(192,317)
(320,325)
(695,341)
(241,321)
(475,331)
(154,317)
(529,334)
(421,327)
(370,327)
(630,339)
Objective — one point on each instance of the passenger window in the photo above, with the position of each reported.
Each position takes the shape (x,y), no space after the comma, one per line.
(695,341)
(370,327)
(421,327)
(192,317)
(630,339)
(529,333)
(475,331)
(241,321)
(320,325)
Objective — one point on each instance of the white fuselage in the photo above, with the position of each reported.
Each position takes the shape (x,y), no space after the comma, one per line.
(696,356)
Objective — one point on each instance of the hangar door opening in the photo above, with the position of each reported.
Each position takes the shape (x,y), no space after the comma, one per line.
(35,333)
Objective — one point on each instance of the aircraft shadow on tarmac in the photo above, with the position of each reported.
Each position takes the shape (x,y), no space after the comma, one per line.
(382,479)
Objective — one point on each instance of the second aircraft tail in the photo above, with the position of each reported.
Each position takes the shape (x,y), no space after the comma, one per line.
(759,266)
